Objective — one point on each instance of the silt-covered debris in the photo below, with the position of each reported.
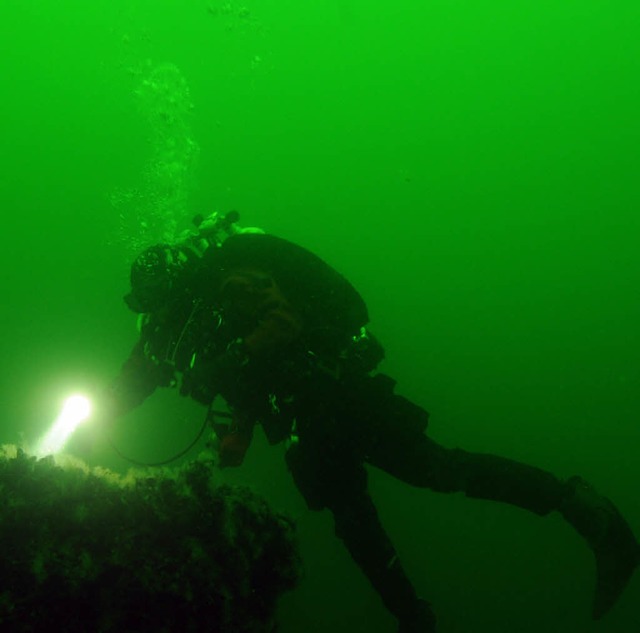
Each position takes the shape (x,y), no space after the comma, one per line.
(85,549)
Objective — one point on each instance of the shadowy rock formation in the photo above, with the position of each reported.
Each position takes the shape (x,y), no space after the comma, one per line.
(85,549)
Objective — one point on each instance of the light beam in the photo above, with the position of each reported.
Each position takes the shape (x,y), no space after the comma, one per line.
(76,409)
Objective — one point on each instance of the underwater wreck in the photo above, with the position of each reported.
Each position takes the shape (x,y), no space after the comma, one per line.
(86,549)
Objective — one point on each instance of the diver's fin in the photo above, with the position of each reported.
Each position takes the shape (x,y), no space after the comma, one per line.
(615,567)
(614,546)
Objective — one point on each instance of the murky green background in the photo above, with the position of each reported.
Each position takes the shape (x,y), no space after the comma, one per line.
(472,167)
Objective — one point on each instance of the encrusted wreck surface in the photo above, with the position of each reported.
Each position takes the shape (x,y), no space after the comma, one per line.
(85,549)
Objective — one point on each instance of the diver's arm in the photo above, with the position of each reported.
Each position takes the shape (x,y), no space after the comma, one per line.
(137,380)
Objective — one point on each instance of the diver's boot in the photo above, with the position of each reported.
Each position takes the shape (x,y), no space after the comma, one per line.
(421,620)
(614,546)
(414,614)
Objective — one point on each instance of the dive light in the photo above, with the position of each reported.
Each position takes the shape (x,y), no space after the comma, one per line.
(76,409)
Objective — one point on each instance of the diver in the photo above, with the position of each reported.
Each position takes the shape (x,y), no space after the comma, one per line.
(281,337)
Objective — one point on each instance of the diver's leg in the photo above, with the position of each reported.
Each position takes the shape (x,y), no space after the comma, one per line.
(358,526)
(418,460)
(341,486)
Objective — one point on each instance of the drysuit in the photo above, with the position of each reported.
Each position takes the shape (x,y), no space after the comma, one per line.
(280,335)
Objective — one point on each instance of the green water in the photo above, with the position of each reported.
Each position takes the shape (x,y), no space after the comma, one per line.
(471,167)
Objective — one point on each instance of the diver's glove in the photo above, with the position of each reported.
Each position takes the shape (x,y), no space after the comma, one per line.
(232,437)
(223,374)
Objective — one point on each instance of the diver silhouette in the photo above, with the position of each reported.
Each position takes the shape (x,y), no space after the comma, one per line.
(280,336)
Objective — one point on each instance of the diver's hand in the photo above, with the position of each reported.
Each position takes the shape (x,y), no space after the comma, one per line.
(232,439)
